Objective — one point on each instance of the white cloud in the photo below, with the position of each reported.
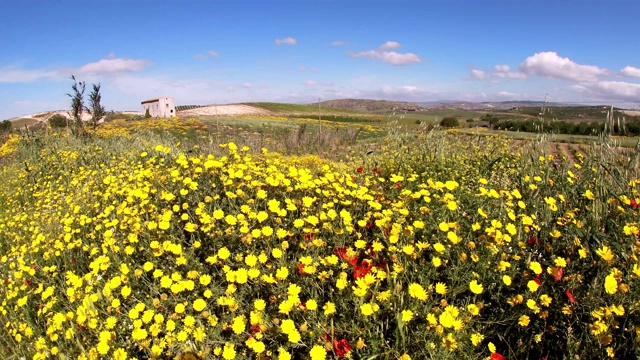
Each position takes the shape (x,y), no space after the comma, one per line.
(630,71)
(13,75)
(301,68)
(288,41)
(502,68)
(246,85)
(112,65)
(389,45)
(338,43)
(389,57)
(610,90)
(549,64)
(508,94)
(310,83)
(479,74)
(213,53)
(199,56)
(504,71)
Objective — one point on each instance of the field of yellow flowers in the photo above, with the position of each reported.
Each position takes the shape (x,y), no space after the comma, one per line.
(139,241)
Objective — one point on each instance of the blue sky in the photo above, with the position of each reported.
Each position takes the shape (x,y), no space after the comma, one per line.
(205,52)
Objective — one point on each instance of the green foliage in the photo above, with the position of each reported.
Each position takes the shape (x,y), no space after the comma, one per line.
(58,121)
(147,114)
(450,122)
(97,110)
(5,126)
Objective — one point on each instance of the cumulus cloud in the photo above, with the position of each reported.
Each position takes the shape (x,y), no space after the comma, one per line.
(14,76)
(112,65)
(389,45)
(630,71)
(479,74)
(287,41)
(610,90)
(550,64)
(338,43)
(504,71)
(389,57)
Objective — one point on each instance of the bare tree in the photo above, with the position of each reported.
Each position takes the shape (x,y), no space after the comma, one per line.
(97,110)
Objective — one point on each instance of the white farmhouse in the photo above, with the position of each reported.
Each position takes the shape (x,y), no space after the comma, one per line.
(162,107)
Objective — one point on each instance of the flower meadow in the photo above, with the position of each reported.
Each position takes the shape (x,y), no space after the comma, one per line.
(141,243)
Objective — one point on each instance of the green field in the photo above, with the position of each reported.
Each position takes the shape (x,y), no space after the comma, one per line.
(275,237)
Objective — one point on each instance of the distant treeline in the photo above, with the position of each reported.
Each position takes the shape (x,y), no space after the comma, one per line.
(629,128)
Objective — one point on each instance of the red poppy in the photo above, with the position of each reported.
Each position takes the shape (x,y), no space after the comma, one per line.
(342,253)
(399,185)
(341,347)
(359,170)
(570,296)
(254,329)
(301,269)
(309,236)
(496,356)
(634,204)
(326,337)
(557,274)
(532,240)
(537,281)
(361,270)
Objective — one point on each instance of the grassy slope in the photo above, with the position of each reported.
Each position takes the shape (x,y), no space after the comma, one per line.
(285,108)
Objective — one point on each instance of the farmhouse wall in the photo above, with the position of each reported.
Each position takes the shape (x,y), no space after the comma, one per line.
(162,107)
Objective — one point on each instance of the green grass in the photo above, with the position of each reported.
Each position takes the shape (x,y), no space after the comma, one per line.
(284,108)
(621,141)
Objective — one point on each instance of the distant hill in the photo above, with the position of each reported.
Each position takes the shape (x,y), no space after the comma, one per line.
(370,105)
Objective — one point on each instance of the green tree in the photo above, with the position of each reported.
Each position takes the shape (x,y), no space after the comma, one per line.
(146,114)
(77,106)
(97,110)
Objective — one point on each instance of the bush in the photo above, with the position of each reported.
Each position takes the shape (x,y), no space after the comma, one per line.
(470,120)
(58,121)
(450,122)
(5,126)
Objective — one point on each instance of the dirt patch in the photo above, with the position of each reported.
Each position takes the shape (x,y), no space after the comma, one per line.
(632,112)
(225,110)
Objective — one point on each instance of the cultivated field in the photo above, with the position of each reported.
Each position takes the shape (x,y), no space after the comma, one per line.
(277,236)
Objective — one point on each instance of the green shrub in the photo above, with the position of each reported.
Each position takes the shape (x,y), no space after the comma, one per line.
(5,126)
(449,122)
(58,121)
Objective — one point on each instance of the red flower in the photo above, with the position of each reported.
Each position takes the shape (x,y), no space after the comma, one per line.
(359,170)
(361,270)
(326,337)
(309,236)
(532,240)
(496,356)
(634,204)
(537,281)
(342,254)
(570,296)
(341,347)
(301,269)
(557,274)
(399,185)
